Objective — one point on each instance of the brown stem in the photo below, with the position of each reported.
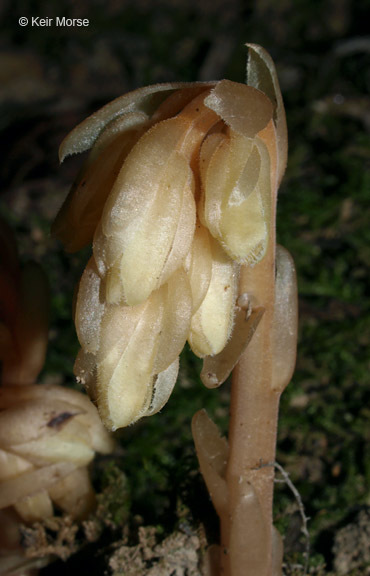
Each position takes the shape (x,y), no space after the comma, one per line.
(253,425)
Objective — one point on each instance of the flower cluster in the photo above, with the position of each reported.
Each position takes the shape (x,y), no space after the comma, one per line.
(48,436)
(177,193)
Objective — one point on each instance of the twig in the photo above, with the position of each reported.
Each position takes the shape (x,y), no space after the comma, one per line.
(286,480)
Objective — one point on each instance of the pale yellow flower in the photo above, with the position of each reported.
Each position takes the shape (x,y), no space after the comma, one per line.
(178,192)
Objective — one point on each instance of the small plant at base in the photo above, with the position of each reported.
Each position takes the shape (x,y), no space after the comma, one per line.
(48,434)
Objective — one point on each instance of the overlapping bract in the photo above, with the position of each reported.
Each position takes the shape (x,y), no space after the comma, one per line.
(177,193)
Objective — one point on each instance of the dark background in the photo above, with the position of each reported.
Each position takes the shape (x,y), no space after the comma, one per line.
(52,77)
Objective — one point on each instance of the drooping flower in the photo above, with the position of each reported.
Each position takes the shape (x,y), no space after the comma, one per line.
(178,192)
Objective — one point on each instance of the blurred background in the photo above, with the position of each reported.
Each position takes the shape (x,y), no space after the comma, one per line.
(53,77)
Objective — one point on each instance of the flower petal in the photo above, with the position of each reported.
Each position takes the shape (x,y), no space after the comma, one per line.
(89,308)
(198,265)
(17,423)
(152,252)
(243,108)
(36,507)
(216,369)
(81,211)
(261,73)
(237,197)
(176,320)
(129,343)
(70,444)
(74,494)
(145,100)
(31,482)
(162,388)
(12,465)
(211,325)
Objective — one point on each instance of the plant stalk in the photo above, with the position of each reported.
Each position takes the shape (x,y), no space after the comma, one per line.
(252,434)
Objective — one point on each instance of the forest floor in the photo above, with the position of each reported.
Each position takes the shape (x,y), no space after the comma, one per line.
(154,515)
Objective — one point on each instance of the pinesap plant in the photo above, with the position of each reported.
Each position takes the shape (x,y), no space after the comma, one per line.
(178,200)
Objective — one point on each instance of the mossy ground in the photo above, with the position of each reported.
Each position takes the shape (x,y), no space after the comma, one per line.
(53,78)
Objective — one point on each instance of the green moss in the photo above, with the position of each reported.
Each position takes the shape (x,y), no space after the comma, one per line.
(113,498)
